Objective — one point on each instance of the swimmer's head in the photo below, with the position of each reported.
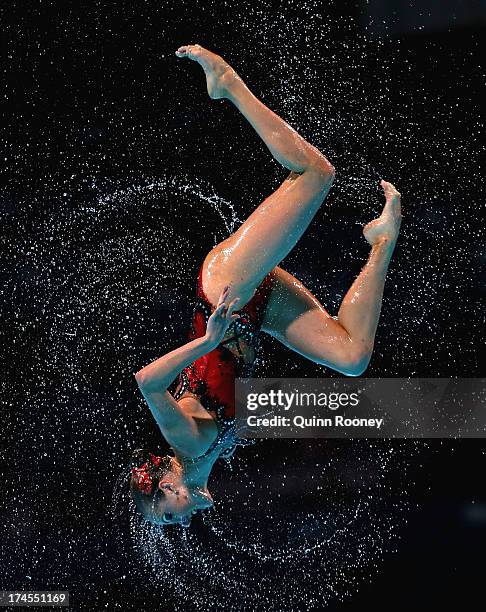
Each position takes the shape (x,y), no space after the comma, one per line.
(162,495)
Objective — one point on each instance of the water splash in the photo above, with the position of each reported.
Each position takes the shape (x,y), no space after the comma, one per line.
(253,544)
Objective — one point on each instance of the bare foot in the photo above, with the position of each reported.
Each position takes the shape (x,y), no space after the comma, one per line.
(219,73)
(387,226)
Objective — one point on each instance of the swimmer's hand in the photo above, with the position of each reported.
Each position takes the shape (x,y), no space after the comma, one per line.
(221,318)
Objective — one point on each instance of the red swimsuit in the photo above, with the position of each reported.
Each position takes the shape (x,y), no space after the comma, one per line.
(212,377)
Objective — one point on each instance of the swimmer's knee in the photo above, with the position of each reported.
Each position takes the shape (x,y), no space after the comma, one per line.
(323,170)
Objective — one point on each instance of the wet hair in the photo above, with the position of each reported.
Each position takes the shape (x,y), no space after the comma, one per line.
(146,471)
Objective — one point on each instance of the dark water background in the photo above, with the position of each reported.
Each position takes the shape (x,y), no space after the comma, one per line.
(118,175)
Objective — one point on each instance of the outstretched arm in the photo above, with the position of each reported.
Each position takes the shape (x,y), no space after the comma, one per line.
(176,424)
(159,374)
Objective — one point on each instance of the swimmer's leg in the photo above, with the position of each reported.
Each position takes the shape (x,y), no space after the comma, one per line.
(296,318)
(273,229)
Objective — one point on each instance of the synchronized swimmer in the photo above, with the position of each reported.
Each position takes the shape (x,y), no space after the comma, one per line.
(242,290)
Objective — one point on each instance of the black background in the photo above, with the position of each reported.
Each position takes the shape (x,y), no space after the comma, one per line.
(97,102)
